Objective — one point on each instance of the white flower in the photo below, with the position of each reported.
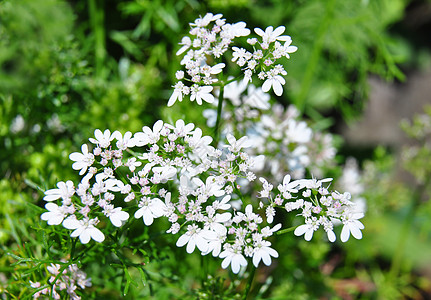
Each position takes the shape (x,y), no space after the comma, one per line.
(84,229)
(164,173)
(218,68)
(64,191)
(186,42)
(257,98)
(287,185)
(298,132)
(177,94)
(196,237)
(236,145)
(270,35)
(214,245)
(238,29)
(116,215)
(132,164)
(55,215)
(270,213)
(276,83)
(150,209)
(124,142)
(200,93)
(353,226)
(215,223)
(232,256)
(288,48)
(307,229)
(181,129)
(263,252)
(209,188)
(103,140)
(147,135)
(82,160)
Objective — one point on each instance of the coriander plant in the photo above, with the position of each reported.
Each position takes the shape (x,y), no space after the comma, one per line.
(223,193)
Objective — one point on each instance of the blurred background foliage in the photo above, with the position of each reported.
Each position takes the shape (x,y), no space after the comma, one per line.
(68,67)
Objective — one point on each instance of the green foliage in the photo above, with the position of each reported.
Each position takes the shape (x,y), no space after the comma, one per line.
(62,75)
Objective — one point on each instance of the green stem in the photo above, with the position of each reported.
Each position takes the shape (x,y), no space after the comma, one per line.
(97,16)
(219,110)
(204,269)
(313,61)
(250,281)
(280,232)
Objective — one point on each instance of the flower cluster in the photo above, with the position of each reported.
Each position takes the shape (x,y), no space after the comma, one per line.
(69,281)
(172,172)
(210,38)
(266,51)
(318,206)
(288,143)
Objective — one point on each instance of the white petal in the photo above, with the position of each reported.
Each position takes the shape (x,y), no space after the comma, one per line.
(235,265)
(148,217)
(278,88)
(140,212)
(84,237)
(191,245)
(259,31)
(331,236)
(96,234)
(267,85)
(201,243)
(279,30)
(309,234)
(345,233)
(266,259)
(300,230)
(354,230)
(226,262)
(256,258)
(183,240)
(71,223)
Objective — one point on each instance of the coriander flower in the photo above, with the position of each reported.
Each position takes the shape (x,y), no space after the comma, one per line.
(352,225)
(196,237)
(310,226)
(200,93)
(84,229)
(263,252)
(103,140)
(270,35)
(236,145)
(83,160)
(150,209)
(54,215)
(116,215)
(64,191)
(232,256)
(177,94)
(276,83)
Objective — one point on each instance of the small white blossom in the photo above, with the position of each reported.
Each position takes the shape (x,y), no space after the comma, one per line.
(233,257)
(84,229)
(82,160)
(64,191)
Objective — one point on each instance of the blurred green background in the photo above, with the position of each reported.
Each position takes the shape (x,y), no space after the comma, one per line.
(68,67)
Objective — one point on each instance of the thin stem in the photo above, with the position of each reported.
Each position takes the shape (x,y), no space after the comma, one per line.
(250,281)
(219,110)
(96,13)
(280,232)
(204,269)
(313,62)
